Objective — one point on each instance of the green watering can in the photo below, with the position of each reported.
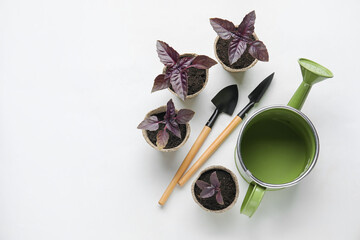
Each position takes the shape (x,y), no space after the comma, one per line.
(278,145)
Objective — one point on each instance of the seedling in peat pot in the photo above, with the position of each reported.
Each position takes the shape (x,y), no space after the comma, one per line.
(170,123)
(241,38)
(176,73)
(209,189)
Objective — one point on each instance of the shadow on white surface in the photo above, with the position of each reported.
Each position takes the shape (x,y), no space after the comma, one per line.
(238,77)
(278,202)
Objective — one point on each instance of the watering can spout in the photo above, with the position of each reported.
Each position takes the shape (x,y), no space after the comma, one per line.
(312,73)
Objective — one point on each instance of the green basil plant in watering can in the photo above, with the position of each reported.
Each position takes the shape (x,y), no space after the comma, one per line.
(278,145)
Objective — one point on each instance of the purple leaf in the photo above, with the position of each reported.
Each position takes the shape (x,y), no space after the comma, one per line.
(168,56)
(258,50)
(185,62)
(184,116)
(246,27)
(168,73)
(151,123)
(214,180)
(160,83)
(173,127)
(207,192)
(202,184)
(170,111)
(222,27)
(178,80)
(162,138)
(169,119)
(236,48)
(219,198)
(203,62)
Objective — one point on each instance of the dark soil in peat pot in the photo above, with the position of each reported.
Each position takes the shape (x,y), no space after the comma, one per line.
(222,50)
(174,141)
(227,186)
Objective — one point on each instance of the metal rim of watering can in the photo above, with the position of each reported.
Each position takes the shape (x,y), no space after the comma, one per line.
(298,179)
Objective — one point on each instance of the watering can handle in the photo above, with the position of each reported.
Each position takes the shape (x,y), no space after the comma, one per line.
(252,199)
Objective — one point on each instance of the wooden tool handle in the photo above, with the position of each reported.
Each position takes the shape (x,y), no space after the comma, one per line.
(206,155)
(185,164)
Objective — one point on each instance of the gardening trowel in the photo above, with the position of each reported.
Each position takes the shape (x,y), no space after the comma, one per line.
(225,101)
(254,97)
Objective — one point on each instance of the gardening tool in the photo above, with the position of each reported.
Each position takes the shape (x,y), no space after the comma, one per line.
(278,145)
(225,101)
(254,97)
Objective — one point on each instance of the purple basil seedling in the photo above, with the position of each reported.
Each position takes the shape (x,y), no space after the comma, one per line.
(241,38)
(209,189)
(171,123)
(176,74)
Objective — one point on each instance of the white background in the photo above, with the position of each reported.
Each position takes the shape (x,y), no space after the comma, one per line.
(75,81)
